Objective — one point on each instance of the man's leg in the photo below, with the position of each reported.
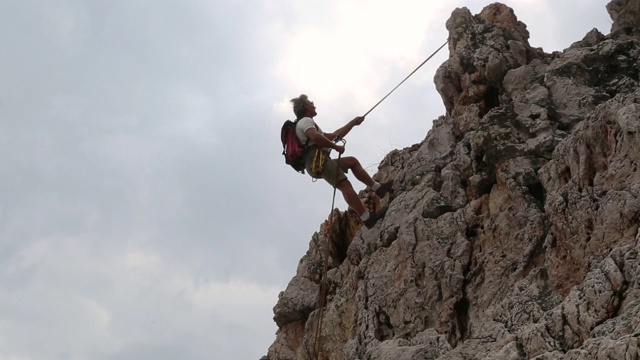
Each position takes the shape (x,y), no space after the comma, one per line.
(350,196)
(334,174)
(358,171)
(352,199)
(361,174)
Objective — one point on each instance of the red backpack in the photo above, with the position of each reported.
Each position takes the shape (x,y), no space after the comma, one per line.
(293,149)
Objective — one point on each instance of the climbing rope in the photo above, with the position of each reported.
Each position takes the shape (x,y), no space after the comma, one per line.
(405,79)
(323,281)
(322,293)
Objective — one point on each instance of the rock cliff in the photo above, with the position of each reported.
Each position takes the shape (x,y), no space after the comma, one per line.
(512,232)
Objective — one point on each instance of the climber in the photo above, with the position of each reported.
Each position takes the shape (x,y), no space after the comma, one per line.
(333,170)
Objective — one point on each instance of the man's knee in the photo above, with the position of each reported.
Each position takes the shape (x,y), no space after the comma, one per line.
(343,184)
(351,162)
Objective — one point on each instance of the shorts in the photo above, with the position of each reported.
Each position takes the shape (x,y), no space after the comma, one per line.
(331,172)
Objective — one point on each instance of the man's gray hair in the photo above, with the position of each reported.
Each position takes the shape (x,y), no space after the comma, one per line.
(299,105)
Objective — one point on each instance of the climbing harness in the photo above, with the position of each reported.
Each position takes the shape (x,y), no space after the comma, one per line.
(320,162)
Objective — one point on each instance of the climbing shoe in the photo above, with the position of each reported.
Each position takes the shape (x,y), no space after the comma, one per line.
(384,189)
(374,217)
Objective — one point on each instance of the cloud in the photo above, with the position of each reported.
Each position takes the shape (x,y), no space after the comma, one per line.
(99,297)
(146,211)
(355,46)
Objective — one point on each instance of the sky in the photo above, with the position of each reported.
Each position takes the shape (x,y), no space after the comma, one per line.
(145,208)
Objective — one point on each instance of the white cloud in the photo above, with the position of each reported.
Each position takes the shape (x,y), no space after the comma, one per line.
(29,256)
(195,119)
(363,42)
(235,300)
(146,211)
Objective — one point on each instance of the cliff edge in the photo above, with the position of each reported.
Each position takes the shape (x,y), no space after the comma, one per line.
(513,229)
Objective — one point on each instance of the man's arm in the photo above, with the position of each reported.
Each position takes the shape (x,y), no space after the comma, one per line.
(343,131)
(320,139)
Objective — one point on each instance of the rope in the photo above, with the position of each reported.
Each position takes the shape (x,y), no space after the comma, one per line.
(405,79)
(323,280)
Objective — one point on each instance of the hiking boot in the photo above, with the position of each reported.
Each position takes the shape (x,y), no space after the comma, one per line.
(374,217)
(384,189)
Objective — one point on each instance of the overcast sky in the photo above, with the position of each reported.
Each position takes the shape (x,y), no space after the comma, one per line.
(145,208)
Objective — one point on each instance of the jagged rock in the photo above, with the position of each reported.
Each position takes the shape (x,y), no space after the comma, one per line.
(296,302)
(626,17)
(513,229)
(592,38)
(483,48)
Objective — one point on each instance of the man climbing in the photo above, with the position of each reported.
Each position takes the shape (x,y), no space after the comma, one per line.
(333,170)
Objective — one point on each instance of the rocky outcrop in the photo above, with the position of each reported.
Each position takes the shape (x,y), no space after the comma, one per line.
(626,17)
(513,228)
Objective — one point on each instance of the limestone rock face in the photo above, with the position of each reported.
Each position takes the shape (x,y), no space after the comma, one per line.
(626,17)
(483,48)
(512,231)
